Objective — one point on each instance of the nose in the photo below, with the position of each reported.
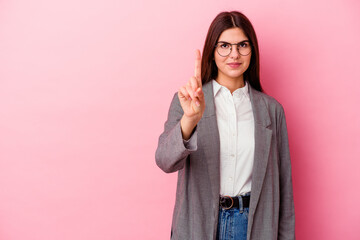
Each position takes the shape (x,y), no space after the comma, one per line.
(234,53)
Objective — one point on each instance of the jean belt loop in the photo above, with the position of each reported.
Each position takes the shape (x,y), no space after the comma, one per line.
(241,205)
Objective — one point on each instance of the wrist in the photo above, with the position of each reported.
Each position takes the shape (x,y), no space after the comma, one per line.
(187,126)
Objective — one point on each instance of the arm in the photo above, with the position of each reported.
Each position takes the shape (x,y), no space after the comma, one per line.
(186,110)
(171,152)
(287,213)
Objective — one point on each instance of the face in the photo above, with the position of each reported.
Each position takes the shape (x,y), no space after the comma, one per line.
(233,66)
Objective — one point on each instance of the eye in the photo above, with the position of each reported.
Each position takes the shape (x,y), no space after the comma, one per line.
(224,45)
(244,44)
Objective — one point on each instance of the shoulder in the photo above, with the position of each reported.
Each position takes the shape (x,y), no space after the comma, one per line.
(273,105)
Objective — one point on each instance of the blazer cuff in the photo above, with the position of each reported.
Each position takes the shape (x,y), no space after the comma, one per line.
(191,144)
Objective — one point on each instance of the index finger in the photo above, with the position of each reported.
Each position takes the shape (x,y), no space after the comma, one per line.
(198,66)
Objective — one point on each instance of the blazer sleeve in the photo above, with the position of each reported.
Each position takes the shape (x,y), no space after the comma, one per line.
(287,212)
(171,152)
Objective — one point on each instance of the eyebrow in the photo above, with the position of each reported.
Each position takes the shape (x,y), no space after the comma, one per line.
(234,43)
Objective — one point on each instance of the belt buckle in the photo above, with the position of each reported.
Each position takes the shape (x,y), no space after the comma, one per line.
(221,202)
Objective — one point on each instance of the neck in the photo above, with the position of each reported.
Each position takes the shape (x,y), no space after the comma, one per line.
(231,83)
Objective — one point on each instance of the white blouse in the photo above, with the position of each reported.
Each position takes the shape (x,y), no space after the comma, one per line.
(235,122)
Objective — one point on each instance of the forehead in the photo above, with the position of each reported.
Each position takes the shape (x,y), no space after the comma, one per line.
(233,35)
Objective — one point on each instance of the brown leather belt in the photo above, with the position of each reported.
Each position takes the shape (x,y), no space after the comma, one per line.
(227,202)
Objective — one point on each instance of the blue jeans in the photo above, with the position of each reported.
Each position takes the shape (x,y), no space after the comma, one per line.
(233,223)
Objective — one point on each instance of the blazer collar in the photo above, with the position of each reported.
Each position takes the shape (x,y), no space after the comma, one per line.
(260,110)
(209,100)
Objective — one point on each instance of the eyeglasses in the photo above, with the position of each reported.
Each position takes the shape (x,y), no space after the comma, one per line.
(224,48)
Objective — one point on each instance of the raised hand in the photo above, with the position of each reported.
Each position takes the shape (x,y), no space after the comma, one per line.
(192,100)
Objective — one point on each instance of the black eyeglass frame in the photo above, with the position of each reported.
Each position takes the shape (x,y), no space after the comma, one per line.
(237,48)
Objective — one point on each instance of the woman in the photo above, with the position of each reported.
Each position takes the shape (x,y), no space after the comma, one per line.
(228,142)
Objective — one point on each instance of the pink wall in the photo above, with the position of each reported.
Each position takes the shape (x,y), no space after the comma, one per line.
(85,88)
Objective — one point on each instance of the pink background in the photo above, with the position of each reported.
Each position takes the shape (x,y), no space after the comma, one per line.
(85,87)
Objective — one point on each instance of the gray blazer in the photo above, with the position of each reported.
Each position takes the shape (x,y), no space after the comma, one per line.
(195,216)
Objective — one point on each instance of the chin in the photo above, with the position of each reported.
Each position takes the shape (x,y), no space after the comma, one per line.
(237,75)
(233,73)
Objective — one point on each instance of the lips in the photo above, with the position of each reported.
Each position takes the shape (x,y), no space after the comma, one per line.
(234,64)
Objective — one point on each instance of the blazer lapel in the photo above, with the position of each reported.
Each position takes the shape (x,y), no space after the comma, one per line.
(209,135)
(262,147)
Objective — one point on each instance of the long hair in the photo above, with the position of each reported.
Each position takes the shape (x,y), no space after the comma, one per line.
(222,22)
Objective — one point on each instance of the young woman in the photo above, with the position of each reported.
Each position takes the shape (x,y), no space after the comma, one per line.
(228,142)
